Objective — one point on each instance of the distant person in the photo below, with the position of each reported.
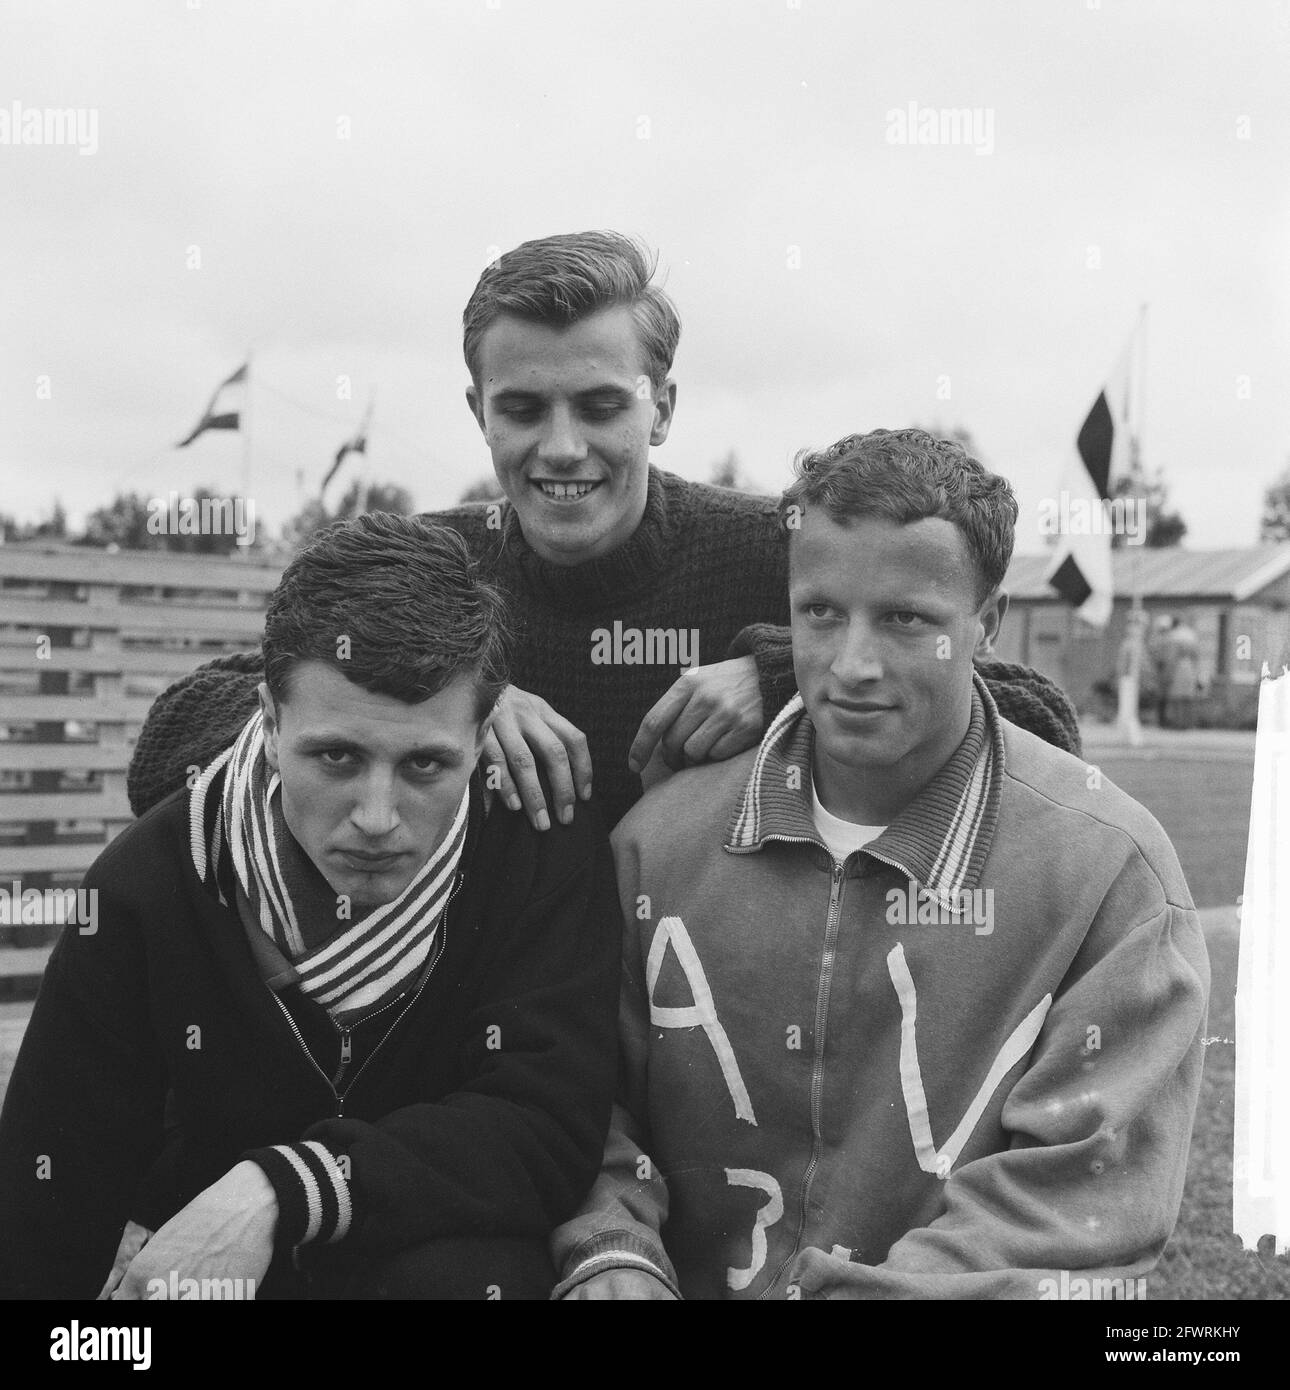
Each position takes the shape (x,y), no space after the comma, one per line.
(911,1008)
(345,1027)
(652,611)
(1161,655)
(1134,676)
(1184,674)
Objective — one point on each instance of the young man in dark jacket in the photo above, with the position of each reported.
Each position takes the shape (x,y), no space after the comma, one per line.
(652,610)
(338,1027)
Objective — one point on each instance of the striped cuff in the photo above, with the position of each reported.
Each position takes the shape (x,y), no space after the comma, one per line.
(313,1192)
(614,1250)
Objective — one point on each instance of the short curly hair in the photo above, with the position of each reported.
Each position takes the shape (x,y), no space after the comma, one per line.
(559,280)
(905,476)
(407,598)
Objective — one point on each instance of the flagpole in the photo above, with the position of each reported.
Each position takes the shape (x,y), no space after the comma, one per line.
(1139,434)
(1142,390)
(1131,679)
(367,440)
(246,431)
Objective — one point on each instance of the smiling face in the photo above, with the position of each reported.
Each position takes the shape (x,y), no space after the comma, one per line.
(885,625)
(370,785)
(569,415)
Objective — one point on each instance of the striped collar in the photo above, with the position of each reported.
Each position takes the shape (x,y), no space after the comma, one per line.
(940,839)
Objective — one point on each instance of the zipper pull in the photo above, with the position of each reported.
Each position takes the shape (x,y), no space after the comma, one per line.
(346,1055)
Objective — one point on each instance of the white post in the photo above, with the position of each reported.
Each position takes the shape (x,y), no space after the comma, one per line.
(1131,673)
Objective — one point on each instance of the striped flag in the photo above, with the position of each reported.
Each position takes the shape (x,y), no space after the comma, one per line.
(1081,568)
(356,445)
(225,409)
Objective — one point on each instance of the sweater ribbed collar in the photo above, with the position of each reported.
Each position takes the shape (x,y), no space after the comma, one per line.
(622,575)
(940,840)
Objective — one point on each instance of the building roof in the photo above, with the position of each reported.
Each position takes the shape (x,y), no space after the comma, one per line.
(1168,573)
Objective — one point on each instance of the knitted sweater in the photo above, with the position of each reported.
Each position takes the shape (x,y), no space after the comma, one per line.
(704,577)
(474,1107)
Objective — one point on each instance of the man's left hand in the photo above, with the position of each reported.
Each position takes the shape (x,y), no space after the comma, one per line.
(710,713)
(225,1232)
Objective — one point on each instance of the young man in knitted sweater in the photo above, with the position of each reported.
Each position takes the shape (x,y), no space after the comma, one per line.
(912,1003)
(343,1025)
(651,610)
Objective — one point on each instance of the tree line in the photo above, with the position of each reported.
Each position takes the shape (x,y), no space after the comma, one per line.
(123,522)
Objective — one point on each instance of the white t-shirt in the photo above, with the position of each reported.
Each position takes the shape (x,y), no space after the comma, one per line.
(841,836)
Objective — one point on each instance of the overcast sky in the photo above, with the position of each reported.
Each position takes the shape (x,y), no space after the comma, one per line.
(829,280)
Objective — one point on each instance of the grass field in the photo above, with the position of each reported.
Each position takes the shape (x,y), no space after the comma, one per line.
(1203,802)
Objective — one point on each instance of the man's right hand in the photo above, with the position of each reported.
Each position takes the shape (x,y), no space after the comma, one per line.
(621,1283)
(526,733)
(133,1239)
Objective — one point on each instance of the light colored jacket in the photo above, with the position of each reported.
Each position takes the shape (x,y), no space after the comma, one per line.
(821,1097)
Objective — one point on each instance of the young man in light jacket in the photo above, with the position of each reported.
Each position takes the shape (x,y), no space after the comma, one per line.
(912,1001)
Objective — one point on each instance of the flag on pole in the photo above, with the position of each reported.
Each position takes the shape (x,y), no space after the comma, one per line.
(357,444)
(225,409)
(1081,568)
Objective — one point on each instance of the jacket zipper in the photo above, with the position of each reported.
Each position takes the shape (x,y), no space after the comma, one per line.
(291,1023)
(821,1012)
(443,927)
(344,1034)
(817,1068)
(346,1056)
(346,1049)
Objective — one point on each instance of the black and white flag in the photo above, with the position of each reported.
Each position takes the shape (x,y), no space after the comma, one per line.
(1081,568)
(225,409)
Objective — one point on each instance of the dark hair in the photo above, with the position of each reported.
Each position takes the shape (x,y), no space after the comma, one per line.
(406,594)
(557,280)
(907,475)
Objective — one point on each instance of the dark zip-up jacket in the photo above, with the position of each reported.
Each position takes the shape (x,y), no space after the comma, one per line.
(156,1058)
